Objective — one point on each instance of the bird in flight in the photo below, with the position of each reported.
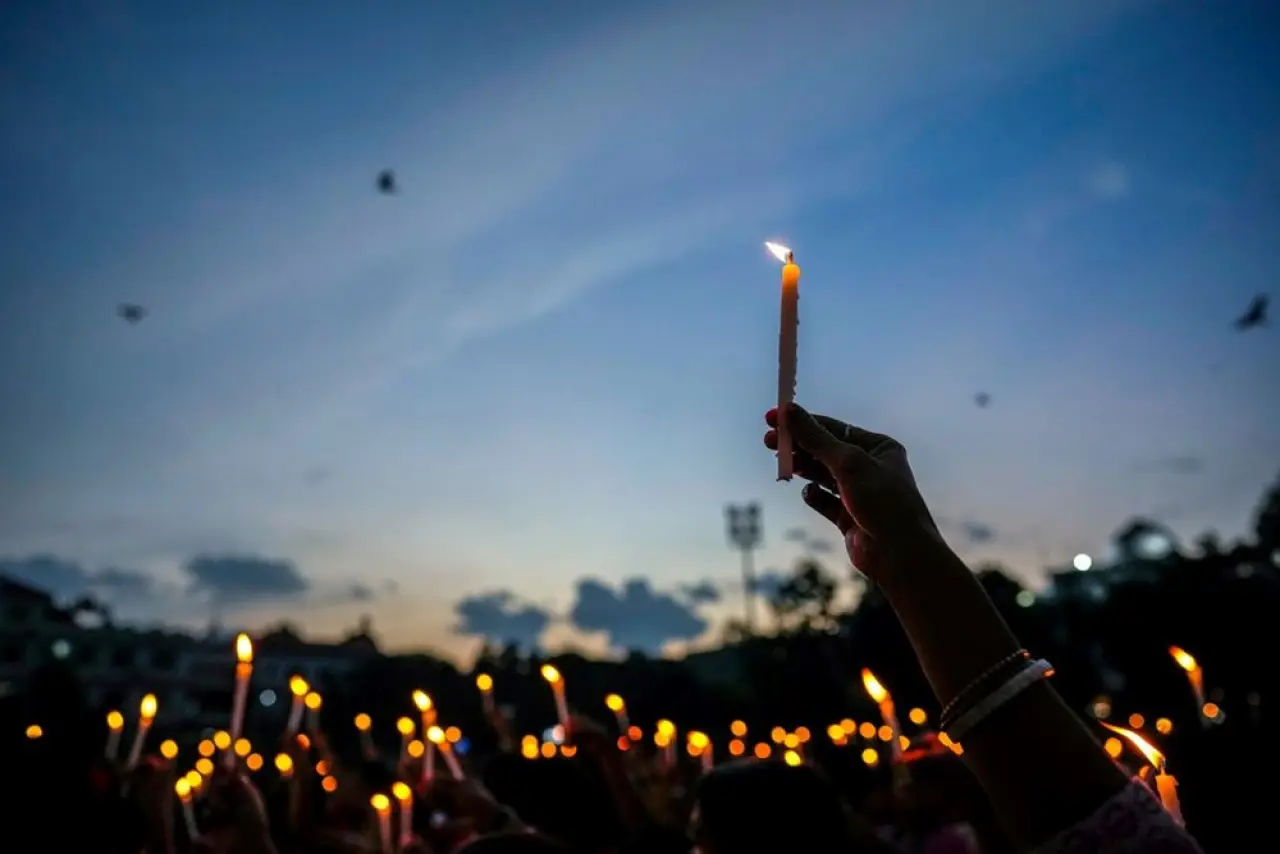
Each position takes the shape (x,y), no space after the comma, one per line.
(982,399)
(387,182)
(131,312)
(1255,315)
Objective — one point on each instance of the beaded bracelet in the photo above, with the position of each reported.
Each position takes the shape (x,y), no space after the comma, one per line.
(1015,685)
(952,709)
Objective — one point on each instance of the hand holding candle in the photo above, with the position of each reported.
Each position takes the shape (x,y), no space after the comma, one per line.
(884,700)
(382,809)
(299,688)
(556,681)
(1166,784)
(244,670)
(788,346)
(146,716)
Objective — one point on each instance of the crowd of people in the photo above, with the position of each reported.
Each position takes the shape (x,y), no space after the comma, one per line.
(1010,768)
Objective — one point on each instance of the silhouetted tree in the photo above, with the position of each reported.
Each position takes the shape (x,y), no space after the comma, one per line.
(1266,526)
(806,601)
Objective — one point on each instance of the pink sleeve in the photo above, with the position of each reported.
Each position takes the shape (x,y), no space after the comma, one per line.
(1132,822)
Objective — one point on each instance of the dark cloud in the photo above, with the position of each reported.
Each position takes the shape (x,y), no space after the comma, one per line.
(360,593)
(976,532)
(701,593)
(1176,464)
(235,579)
(500,616)
(635,618)
(768,583)
(66,580)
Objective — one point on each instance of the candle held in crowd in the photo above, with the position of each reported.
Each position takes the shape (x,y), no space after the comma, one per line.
(484,682)
(115,728)
(619,708)
(182,787)
(299,688)
(427,709)
(1166,783)
(436,736)
(382,809)
(556,681)
(314,702)
(405,727)
(404,797)
(1195,676)
(244,672)
(788,344)
(881,696)
(364,723)
(146,716)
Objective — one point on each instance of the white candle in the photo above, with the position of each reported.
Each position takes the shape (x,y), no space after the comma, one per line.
(1166,783)
(619,708)
(436,738)
(404,796)
(485,683)
(1195,676)
(788,345)
(363,723)
(314,702)
(244,670)
(884,700)
(405,727)
(556,681)
(382,807)
(299,688)
(183,789)
(115,727)
(146,715)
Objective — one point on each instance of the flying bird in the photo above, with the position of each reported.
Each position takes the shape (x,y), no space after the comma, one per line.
(1255,315)
(387,182)
(130,312)
(982,399)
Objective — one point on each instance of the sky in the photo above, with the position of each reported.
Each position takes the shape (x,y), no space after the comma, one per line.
(514,397)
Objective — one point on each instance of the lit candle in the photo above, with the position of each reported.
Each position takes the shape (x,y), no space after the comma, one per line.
(115,727)
(619,708)
(382,808)
(556,681)
(485,683)
(1166,784)
(244,670)
(183,789)
(427,709)
(1195,676)
(701,747)
(405,727)
(146,716)
(363,725)
(884,700)
(788,338)
(299,688)
(435,736)
(404,796)
(665,737)
(314,702)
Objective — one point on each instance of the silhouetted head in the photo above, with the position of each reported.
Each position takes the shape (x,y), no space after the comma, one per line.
(760,807)
(558,797)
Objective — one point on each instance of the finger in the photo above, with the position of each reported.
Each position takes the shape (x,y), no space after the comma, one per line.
(811,436)
(828,506)
(802,463)
(854,435)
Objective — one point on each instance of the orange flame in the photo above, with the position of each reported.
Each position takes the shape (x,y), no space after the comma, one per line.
(1185,660)
(422,700)
(297,685)
(244,649)
(147,708)
(550,674)
(873,686)
(1146,748)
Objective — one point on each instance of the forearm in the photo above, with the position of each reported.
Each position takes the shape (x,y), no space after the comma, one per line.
(1040,766)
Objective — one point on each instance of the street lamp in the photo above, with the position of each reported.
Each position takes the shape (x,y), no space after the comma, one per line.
(744,535)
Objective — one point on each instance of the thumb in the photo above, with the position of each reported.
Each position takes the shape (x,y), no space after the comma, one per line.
(816,440)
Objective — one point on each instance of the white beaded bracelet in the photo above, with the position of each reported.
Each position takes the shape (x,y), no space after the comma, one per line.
(1016,684)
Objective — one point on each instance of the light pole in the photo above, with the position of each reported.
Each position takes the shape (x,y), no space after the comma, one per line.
(744,535)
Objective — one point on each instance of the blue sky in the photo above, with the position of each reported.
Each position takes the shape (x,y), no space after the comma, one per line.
(546,358)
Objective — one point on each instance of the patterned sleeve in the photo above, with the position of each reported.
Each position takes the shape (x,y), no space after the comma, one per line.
(1132,822)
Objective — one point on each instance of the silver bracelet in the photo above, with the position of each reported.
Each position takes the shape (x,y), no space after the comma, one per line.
(1019,682)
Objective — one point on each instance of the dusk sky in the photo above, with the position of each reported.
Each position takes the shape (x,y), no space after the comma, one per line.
(546,358)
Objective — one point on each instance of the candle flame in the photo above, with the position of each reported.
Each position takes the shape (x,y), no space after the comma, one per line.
(1185,660)
(777,250)
(183,789)
(115,721)
(435,735)
(244,649)
(402,792)
(313,701)
(698,740)
(298,686)
(1146,748)
(422,700)
(873,686)
(405,726)
(147,708)
(615,702)
(380,803)
(550,674)
(363,722)
(484,682)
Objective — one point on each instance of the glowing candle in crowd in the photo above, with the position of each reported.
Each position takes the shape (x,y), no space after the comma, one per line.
(169,749)
(382,808)
(556,681)
(363,724)
(115,727)
(427,709)
(884,700)
(314,702)
(405,727)
(244,670)
(404,796)
(700,746)
(1166,784)
(299,688)
(1194,675)
(436,736)
(485,683)
(665,737)
(146,716)
(788,338)
(284,764)
(182,787)
(619,708)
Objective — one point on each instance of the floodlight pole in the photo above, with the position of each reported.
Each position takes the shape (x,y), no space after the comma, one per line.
(743,522)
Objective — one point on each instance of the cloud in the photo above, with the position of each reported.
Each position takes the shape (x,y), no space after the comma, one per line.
(635,618)
(977,532)
(702,593)
(66,580)
(501,616)
(236,579)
